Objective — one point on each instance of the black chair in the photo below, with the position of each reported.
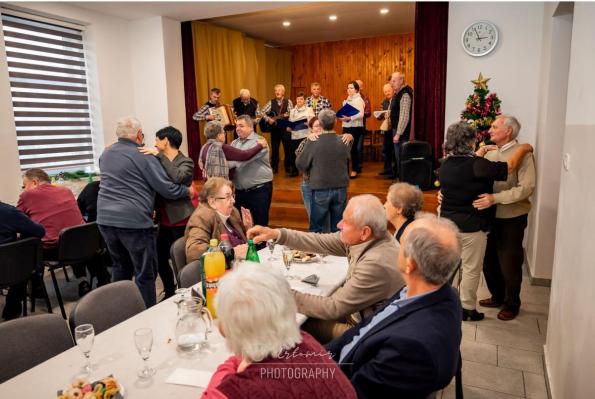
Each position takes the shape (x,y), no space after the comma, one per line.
(18,261)
(416,164)
(107,306)
(29,341)
(177,253)
(190,274)
(76,245)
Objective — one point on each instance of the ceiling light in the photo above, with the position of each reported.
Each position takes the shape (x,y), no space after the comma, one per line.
(286,23)
(384,11)
(332,17)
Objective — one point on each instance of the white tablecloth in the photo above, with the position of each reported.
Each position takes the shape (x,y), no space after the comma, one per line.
(114,351)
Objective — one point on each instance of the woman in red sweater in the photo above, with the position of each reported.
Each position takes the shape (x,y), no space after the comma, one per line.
(272,358)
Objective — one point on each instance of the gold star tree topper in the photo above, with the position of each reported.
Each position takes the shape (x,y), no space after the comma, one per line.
(481,82)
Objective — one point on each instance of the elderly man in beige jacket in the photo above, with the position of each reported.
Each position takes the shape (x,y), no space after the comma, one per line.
(503,262)
(372,277)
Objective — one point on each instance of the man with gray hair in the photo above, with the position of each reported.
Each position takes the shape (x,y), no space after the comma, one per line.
(372,277)
(245,104)
(278,108)
(129,181)
(503,264)
(400,114)
(410,348)
(325,160)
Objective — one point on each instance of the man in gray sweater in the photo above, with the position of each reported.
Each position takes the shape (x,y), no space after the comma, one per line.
(125,206)
(326,161)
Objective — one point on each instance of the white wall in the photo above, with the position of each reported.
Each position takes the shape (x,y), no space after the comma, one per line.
(174,75)
(557,34)
(9,156)
(135,68)
(513,65)
(570,341)
(148,74)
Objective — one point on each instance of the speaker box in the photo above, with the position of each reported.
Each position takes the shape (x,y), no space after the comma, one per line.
(417,172)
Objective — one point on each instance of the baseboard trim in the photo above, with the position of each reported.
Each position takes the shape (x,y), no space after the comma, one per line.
(542,282)
(546,373)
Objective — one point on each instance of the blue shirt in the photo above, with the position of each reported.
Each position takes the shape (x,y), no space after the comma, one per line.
(393,307)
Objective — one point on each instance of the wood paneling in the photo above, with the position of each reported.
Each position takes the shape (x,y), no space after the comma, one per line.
(334,64)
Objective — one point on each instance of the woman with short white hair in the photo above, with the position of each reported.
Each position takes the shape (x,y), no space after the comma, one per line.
(271,356)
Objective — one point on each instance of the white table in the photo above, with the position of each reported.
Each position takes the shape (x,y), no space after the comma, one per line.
(114,351)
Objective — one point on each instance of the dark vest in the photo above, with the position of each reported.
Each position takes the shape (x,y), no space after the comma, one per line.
(395,111)
(279,110)
(292,376)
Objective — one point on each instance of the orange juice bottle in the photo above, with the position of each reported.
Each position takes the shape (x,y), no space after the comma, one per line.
(214,264)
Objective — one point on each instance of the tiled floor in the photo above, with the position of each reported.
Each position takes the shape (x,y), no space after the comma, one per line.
(500,359)
(505,359)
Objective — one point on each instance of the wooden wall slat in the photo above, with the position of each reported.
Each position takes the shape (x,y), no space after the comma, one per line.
(334,64)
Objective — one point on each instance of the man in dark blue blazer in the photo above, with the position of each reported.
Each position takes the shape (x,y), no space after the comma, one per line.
(410,347)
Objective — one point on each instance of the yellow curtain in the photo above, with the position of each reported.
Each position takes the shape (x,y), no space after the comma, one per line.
(231,61)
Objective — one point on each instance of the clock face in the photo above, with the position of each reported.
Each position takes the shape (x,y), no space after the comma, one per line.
(479,38)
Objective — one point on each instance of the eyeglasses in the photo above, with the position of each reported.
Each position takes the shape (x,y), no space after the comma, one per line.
(227,198)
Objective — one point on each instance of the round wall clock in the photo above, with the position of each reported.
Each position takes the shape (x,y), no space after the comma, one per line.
(480,38)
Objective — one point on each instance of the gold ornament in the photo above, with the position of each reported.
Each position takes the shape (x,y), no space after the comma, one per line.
(480,82)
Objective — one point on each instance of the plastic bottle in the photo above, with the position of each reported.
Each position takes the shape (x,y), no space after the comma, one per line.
(252,254)
(214,267)
(227,250)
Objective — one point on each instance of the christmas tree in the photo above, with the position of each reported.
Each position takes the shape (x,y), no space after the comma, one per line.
(481,108)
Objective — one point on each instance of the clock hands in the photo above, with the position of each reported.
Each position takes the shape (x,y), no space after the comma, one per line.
(476,33)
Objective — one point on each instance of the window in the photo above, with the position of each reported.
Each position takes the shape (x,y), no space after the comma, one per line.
(48,83)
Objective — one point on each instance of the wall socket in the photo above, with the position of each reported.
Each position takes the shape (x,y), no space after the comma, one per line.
(566,161)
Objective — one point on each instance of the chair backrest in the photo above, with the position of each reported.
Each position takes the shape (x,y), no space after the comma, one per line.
(177,253)
(79,244)
(416,150)
(18,260)
(108,305)
(28,341)
(190,274)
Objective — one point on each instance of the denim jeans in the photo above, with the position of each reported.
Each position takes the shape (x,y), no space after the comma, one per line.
(133,253)
(327,203)
(307,196)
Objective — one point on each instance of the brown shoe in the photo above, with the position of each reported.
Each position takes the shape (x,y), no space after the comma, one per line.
(353,175)
(507,314)
(489,303)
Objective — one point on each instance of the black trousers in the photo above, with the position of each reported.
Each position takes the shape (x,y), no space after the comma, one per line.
(388,152)
(258,201)
(279,136)
(358,138)
(503,262)
(165,239)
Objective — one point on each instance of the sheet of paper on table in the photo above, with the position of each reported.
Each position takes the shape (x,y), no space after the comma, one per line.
(191,377)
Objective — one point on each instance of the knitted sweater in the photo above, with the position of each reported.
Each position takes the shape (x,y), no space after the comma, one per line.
(305,371)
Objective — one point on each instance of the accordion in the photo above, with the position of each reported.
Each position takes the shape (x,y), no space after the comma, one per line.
(224,114)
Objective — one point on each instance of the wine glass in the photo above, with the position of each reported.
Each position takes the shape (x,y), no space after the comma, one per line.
(271,247)
(287,259)
(143,339)
(84,336)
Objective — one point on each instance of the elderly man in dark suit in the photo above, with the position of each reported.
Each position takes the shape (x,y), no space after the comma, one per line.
(410,348)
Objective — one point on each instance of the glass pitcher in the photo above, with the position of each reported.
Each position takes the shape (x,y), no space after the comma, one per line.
(193,326)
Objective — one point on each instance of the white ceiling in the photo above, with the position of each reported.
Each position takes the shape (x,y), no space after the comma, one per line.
(178,10)
(310,23)
(263,20)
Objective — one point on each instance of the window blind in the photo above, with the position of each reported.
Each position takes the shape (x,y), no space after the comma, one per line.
(48,83)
